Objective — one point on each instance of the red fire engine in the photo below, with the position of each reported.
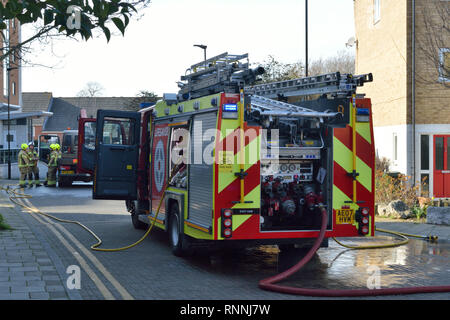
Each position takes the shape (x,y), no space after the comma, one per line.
(228,162)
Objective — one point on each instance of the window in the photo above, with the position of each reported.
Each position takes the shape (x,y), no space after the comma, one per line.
(424,152)
(425,179)
(439,153)
(118,131)
(89,135)
(444,64)
(179,142)
(13,88)
(376,11)
(395,147)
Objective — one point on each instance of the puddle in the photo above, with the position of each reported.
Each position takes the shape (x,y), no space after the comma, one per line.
(418,263)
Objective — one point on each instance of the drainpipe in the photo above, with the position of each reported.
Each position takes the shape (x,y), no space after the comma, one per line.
(413,88)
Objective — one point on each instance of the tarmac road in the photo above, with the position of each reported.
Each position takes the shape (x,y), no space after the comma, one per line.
(150,271)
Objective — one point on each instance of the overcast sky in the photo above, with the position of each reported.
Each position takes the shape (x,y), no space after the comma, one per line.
(157,49)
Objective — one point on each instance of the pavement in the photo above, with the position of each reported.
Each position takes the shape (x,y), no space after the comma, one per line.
(30,268)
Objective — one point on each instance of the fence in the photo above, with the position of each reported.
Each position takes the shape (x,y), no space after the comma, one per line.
(4,155)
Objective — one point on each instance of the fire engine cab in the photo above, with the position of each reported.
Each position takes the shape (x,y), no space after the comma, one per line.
(230,162)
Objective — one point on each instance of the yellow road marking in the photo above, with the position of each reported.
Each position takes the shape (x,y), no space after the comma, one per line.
(123,292)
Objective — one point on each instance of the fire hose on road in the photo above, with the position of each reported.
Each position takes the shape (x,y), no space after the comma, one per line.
(270,283)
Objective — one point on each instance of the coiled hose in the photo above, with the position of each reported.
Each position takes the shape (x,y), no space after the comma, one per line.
(270,283)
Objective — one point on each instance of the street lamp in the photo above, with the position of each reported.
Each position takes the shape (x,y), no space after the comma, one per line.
(202,46)
(306,38)
(9,120)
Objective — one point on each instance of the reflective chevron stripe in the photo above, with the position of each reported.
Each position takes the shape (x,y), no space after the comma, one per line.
(342,165)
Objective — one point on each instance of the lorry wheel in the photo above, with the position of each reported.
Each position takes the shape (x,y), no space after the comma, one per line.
(137,224)
(178,240)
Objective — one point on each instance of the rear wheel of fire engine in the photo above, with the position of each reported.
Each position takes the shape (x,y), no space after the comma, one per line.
(137,224)
(178,240)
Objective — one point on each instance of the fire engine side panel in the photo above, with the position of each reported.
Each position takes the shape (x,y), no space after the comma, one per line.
(200,183)
(365,167)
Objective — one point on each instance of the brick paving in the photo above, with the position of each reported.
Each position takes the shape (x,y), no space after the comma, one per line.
(33,261)
(29,268)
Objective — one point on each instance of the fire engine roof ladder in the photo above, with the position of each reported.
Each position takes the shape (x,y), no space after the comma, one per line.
(335,84)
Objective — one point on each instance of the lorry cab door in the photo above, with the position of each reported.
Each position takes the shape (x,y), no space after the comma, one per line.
(116,155)
(44,142)
(86,144)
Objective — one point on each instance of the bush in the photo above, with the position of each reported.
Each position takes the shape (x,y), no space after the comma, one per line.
(388,188)
(3,225)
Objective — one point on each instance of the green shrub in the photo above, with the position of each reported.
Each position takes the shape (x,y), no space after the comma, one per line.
(3,225)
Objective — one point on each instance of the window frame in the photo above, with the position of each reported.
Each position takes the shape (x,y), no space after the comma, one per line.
(442,53)
(376,11)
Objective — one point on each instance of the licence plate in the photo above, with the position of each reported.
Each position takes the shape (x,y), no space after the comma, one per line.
(67,172)
(345,216)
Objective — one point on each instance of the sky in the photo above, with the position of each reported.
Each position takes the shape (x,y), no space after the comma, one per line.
(158,48)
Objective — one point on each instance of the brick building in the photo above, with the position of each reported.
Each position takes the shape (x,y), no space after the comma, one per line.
(406,45)
(20,129)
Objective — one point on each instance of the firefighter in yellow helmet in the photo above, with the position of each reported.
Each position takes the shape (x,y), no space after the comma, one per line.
(23,163)
(33,165)
(52,167)
(58,150)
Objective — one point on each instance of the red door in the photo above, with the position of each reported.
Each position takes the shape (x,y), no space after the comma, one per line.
(441,174)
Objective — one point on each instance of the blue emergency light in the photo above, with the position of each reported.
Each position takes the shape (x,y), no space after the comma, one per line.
(362,111)
(230,107)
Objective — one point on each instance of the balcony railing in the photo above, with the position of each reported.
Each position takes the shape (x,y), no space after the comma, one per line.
(4,155)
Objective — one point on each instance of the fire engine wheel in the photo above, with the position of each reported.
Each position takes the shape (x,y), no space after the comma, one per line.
(178,240)
(137,224)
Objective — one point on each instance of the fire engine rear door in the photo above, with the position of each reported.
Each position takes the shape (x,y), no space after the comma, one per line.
(117,151)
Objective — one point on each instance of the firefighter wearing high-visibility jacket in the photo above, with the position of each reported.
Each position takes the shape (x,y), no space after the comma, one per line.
(23,163)
(52,167)
(58,150)
(33,166)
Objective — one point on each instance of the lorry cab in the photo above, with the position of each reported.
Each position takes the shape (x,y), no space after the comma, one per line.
(71,168)
(44,142)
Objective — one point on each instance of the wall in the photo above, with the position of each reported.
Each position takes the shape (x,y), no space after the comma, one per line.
(382,51)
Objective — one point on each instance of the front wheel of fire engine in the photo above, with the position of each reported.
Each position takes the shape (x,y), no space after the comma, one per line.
(178,241)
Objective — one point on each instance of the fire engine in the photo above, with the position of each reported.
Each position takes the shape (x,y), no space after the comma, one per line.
(227,161)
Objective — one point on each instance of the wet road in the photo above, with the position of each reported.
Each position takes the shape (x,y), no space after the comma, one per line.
(150,271)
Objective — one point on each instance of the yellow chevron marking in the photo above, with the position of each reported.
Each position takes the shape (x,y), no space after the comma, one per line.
(254,196)
(363,128)
(343,156)
(239,219)
(252,152)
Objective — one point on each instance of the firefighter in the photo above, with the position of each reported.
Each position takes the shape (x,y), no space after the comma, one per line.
(58,150)
(52,167)
(23,163)
(33,165)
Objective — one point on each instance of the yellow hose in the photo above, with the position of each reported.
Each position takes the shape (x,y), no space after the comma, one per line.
(13,195)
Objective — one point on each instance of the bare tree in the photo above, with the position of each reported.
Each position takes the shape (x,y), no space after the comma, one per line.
(343,62)
(92,89)
(433,42)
